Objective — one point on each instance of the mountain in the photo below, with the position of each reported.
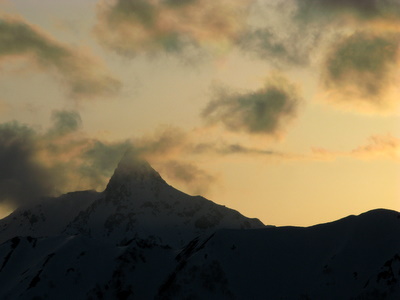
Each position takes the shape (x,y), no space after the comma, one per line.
(138,203)
(142,239)
(47,218)
(357,257)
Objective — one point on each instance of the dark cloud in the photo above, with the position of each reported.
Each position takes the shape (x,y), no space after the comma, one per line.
(65,122)
(22,176)
(83,75)
(327,10)
(180,2)
(135,26)
(240,149)
(223,148)
(35,164)
(196,180)
(265,111)
(360,69)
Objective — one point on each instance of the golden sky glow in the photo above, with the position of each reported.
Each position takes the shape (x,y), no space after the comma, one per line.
(284,110)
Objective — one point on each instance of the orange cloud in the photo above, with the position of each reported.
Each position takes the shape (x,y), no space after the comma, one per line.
(377,147)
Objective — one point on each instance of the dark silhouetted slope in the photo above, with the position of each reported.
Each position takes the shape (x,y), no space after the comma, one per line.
(143,239)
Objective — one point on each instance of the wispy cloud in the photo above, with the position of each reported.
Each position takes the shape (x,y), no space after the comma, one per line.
(377,147)
(195,179)
(80,72)
(276,35)
(136,26)
(283,49)
(223,148)
(265,111)
(165,142)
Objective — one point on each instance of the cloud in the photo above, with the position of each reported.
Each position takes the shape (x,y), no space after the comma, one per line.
(240,149)
(83,75)
(136,26)
(296,33)
(22,177)
(163,142)
(170,150)
(172,144)
(266,111)
(376,147)
(379,146)
(361,71)
(223,148)
(326,10)
(175,154)
(196,180)
(275,35)
(99,161)
(62,159)
(282,49)
(38,164)
(65,122)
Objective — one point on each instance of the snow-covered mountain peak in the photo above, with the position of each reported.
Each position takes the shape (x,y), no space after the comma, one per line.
(133,173)
(139,203)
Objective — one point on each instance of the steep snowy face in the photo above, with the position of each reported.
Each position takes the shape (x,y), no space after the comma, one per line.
(138,203)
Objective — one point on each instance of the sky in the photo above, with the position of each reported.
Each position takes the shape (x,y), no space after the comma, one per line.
(285,110)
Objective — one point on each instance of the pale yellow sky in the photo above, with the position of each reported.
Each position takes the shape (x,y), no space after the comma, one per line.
(302,170)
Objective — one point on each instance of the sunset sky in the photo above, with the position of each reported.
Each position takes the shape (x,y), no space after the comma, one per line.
(285,110)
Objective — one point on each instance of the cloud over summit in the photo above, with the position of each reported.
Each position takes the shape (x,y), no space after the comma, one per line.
(36,164)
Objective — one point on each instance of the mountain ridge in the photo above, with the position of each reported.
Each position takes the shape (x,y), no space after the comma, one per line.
(143,239)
